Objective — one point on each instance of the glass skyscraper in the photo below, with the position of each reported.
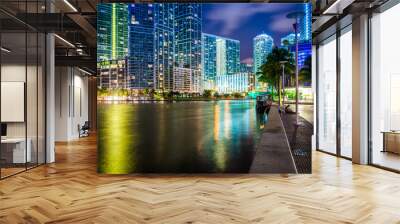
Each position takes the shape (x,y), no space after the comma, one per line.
(305,24)
(262,46)
(209,65)
(221,56)
(112,31)
(290,39)
(163,46)
(141,46)
(188,40)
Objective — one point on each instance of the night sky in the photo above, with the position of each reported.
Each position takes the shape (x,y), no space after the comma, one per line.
(244,21)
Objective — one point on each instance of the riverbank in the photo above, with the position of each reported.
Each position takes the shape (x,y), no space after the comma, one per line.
(273,154)
(173,100)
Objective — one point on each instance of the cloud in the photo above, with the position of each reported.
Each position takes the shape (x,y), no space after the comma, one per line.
(232,16)
(248,60)
(280,23)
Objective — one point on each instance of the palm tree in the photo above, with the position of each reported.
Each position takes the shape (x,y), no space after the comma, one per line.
(270,72)
(305,72)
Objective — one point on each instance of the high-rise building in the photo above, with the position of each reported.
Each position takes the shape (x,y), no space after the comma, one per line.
(208,60)
(239,83)
(305,51)
(141,46)
(112,31)
(183,78)
(245,67)
(188,40)
(220,56)
(288,40)
(163,46)
(305,24)
(232,56)
(112,74)
(262,46)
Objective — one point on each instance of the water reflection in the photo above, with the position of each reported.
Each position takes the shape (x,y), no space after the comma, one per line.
(182,137)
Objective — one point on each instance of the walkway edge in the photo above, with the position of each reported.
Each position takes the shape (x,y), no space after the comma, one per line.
(273,153)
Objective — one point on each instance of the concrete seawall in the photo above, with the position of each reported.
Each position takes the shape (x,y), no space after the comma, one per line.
(273,154)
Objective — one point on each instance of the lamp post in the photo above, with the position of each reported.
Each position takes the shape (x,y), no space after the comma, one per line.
(296,16)
(283,82)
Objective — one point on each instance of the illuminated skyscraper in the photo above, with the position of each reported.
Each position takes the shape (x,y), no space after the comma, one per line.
(188,40)
(288,40)
(221,56)
(164,46)
(305,24)
(239,83)
(262,46)
(141,46)
(112,31)
(209,65)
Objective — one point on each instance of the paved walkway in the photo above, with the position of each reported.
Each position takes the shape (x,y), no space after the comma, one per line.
(273,153)
(300,140)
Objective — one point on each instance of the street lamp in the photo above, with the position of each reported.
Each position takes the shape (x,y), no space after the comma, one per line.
(283,83)
(296,16)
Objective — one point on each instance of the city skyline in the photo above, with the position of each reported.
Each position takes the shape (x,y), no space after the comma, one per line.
(165,46)
(244,21)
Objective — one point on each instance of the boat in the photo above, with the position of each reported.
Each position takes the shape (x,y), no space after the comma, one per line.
(263,104)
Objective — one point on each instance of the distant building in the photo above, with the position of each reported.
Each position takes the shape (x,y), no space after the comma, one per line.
(208,60)
(220,56)
(154,38)
(164,46)
(305,51)
(262,46)
(305,24)
(236,83)
(112,74)
(288,40)
(112,31)
(188,41)
(183,80)
(244,67)
(141,46)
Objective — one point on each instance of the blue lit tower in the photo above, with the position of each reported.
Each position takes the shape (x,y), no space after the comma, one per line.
(305,24)
(221,56)
(232,56)
(209,63)
(262,46)
(290,39)
(163,46)
(188,40)
(141,46)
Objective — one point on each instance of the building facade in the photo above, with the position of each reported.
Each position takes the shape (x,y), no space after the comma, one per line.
(183,78)
(141,46)
(305,24)
(288,40)
(262,46)
(187,47)
(245,67)
(220,57)
(112,74)
(112,35)
(236,83)
(163,46)
(304,52)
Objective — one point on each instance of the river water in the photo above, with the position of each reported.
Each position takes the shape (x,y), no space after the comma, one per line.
(179,137)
